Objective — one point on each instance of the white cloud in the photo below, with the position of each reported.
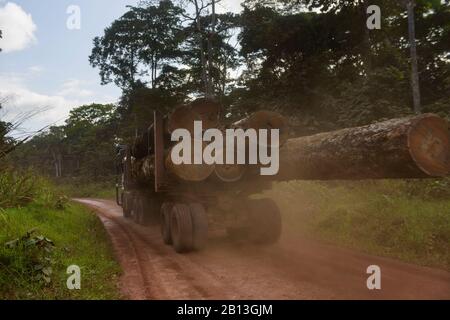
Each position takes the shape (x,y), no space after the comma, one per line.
(20,101)
(73,88)
(229,5)
(49,109)
(36,69)
(18,28)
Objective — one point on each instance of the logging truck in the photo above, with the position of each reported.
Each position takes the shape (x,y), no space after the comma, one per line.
(192,201)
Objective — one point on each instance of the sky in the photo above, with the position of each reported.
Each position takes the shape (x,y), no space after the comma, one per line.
(44,65)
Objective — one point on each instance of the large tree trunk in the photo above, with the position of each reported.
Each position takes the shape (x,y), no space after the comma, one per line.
(200,45)
(414,68)
(412,147)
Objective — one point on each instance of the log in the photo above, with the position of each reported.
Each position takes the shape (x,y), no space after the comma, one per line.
(143,170)
(229,172)
(143,144)
(189,172)
(182,118)
(265,119)
(203,109)
(208,110)
(411,147)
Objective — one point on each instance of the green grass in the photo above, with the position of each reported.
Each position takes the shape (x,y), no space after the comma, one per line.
(105,188)
(79,238)
(388,218)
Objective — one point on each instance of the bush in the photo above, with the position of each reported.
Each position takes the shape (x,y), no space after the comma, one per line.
(83,187)
(19,189)
(30,256)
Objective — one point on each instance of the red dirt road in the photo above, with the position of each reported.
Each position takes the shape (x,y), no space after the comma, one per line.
(292,269)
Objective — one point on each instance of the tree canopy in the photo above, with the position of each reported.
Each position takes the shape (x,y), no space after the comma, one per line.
(313,60)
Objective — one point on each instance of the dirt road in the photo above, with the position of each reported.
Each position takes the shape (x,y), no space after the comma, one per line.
(292,269)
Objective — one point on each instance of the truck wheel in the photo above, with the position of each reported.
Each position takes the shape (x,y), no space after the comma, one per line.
(166,209)
(126,201)
(181,228)
(139,209)
(152,207)
(265,221)
(199,225)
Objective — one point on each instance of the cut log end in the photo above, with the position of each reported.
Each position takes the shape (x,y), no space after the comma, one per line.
(190,172)
(429,145)
(229,172)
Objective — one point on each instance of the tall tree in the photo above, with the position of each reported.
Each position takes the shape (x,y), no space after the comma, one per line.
(209,64)
(136,45)
(116,53)
(410,4)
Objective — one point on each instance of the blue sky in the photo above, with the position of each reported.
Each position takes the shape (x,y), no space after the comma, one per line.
(44,65)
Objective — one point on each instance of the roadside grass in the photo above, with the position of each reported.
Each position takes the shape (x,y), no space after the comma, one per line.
(79,239)
(403,219)
(104,189)
(27,258)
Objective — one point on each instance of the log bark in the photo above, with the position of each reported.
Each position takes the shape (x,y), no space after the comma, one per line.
(412,147)
(143,144)
(143,170)
(203,109)
(265,119)
(229,172)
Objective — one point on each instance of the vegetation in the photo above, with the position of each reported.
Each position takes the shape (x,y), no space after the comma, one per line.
(41,234)
(322,67)
(313,60)
(407,220)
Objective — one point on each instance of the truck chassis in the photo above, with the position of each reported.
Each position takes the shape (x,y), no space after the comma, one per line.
(187,212)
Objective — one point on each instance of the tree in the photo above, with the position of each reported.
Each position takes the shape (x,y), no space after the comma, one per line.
(83,146)
(5,141)
(209,64)
(410,4)
(116,52)
(206,42)
(161,36)
(137,44)
(327,68)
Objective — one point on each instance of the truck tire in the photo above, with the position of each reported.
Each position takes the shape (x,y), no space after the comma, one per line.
(199,225)
(126,204)
(145,209)
(264,221)
(152,210)
(181,228)
(166,214)
(139,209)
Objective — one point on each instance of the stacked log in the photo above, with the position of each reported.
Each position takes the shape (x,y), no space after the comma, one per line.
(410,147)
(265,119)
(203,109)
(143,144)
